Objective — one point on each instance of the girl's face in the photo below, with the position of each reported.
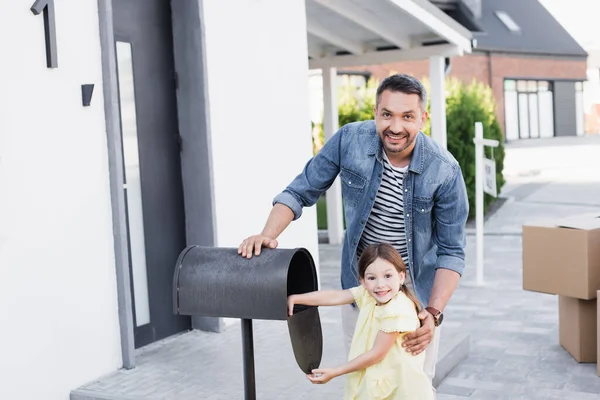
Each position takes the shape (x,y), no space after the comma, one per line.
(382,280)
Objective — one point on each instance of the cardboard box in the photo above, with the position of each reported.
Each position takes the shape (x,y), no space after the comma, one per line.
(563,257)
(577,328)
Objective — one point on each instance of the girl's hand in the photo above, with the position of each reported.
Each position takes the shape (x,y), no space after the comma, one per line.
(290,305)
(324,375)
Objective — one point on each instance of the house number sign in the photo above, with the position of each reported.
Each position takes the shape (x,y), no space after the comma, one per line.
(47,7)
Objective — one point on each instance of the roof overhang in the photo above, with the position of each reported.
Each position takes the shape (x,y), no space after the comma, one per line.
(344,33)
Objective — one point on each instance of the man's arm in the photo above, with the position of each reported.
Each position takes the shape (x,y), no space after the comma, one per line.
(318,175)
(444,284)
(451,210)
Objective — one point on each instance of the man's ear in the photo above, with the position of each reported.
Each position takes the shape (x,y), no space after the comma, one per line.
(424,117)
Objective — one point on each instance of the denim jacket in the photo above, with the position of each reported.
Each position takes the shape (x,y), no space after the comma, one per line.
(435,200)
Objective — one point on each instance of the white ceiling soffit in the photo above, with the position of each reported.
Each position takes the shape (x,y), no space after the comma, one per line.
(345,33)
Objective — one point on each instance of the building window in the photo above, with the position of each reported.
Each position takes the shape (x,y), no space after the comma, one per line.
(132,183)
(528,109)
(508,22)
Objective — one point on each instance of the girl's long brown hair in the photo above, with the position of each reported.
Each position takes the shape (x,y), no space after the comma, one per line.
(386,252)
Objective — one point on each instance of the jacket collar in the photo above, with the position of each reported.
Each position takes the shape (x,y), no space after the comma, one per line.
(417,162)
(375,147)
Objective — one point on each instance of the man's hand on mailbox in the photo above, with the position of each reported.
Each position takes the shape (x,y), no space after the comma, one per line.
(253,244)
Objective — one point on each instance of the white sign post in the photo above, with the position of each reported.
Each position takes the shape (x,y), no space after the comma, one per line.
(485,180)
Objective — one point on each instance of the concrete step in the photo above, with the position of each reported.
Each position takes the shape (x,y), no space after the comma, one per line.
(85,394)
(454,348)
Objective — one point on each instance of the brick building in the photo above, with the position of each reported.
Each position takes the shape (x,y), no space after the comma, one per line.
(535,68)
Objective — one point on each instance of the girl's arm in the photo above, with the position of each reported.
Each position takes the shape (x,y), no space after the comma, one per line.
(383,343)
(320,298)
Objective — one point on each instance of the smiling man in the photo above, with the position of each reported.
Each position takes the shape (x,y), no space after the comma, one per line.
(399,187)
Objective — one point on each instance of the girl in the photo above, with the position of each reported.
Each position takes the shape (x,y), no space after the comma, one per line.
(378,367)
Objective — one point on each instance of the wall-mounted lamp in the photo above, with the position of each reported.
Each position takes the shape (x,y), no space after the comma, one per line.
(86,93)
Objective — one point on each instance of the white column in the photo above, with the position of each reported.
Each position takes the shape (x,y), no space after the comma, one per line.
(479,154)
(335,225)
(437,94)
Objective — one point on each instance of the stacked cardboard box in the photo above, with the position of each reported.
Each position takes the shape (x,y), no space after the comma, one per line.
(563,258)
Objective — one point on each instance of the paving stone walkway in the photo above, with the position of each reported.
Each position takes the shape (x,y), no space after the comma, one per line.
(515,352)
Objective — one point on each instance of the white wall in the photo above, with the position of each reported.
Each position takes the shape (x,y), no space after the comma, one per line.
(257,66)
(58,300)
(593,61)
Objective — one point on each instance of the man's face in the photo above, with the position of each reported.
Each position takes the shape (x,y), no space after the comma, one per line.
(398,118)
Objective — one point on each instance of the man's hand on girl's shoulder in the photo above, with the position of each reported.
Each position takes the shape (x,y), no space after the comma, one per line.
(417,341)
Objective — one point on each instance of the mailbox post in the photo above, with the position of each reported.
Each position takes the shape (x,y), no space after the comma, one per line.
(248,357)
(218,282)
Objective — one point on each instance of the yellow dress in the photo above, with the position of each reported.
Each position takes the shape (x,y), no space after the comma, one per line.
(400,375)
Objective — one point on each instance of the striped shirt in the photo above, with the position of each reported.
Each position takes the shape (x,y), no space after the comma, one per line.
(386,221)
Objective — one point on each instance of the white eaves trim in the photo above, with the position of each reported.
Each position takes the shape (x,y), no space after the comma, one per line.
(334,38)
(354,13)
(388,56)
(437,21)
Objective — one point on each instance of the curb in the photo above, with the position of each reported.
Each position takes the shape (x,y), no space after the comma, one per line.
(84,394)
(454,349)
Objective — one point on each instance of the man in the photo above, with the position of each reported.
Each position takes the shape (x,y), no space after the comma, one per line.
(398,186)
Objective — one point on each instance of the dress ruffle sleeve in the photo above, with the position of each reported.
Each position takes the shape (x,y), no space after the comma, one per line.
(361,296)
(399,315)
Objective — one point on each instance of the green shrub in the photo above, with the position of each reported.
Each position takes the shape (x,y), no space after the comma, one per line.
(322,213)
(356,105)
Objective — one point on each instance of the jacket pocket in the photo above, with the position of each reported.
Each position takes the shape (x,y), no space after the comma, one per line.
(352,180)
(353,186)
(422,213)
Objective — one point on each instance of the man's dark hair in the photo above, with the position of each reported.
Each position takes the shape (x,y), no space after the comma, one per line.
(404,84)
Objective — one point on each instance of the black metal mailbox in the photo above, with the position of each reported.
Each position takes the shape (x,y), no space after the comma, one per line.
(218,282)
